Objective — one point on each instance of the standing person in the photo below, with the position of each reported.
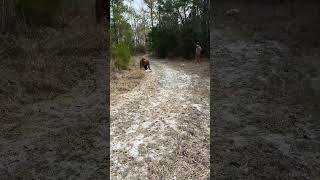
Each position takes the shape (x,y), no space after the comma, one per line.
(198,52)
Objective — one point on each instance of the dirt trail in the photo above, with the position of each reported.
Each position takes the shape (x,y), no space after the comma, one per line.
(160,129)
(61,138)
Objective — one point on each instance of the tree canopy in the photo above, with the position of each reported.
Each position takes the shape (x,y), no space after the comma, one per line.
(165,27)
(180,25)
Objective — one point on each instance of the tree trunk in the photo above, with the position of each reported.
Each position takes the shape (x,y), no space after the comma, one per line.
(151,15)
(194,9)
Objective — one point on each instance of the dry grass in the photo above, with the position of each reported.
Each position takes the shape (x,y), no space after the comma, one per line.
(187,161)
(263,105)
(40,66)
(275,21)
(45,65)
(123,81)
(41,62)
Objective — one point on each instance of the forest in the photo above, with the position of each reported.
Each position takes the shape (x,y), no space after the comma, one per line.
(165,28)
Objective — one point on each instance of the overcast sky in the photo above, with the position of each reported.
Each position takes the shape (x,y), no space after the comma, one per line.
(136,4)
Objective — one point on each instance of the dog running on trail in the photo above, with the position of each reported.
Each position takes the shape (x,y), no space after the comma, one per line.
(145,63)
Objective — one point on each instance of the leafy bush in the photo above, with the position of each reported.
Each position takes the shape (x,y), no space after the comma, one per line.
(121,55)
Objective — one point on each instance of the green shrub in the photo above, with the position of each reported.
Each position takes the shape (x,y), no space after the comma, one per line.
(121,55)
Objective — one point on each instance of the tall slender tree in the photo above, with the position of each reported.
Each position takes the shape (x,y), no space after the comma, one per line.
(151,5)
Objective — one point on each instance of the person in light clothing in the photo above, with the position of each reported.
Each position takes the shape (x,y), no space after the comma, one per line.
(198,52)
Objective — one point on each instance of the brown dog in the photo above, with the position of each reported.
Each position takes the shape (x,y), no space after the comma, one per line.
(144,62)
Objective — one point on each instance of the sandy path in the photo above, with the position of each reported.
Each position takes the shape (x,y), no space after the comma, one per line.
(160,129)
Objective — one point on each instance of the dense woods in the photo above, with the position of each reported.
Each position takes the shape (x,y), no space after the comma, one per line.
(180,25)
(166,28)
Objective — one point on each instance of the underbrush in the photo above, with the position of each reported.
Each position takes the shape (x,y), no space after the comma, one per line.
(122,81)
(46,47)
(121,56)
(44,62)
